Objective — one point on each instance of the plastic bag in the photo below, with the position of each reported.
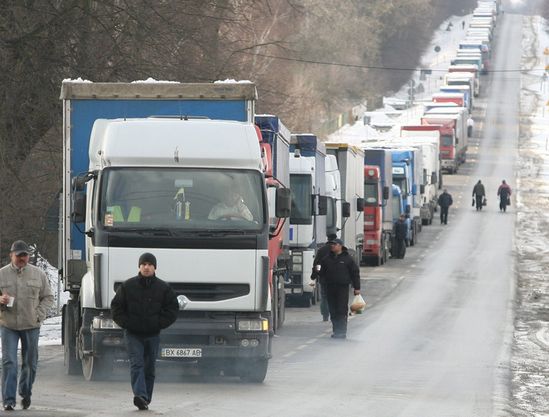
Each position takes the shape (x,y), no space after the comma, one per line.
(358,305)
(484,201)
(473,202)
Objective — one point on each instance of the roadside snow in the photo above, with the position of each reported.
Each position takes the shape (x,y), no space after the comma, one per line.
(530,388)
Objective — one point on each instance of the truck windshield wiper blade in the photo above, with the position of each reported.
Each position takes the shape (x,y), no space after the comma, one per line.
(163,231)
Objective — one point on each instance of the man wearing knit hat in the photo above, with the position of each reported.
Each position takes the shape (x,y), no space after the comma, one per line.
(142,306)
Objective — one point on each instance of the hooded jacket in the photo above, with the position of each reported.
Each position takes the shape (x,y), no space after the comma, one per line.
(478,190)
(32,297)
(340,270)
(144,305)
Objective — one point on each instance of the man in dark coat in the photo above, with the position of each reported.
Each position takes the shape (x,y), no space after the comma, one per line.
(142,306)
(401,231)
(479,194)
(504,194)
(444,201)
(338,271)
(315,275)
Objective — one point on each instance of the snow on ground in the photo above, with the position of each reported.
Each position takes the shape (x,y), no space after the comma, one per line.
(531,342)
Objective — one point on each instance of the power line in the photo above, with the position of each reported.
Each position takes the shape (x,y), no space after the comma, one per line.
(373,67)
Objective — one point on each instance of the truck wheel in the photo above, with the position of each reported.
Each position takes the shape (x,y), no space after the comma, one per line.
(69,320)
(255,371)
(97,369)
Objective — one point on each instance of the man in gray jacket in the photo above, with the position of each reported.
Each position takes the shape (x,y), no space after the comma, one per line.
(25,299)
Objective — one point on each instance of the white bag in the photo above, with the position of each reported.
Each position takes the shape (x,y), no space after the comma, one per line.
(358,305)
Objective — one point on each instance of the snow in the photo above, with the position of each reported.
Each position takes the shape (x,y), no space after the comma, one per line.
(76,80)
(531,350)
(233,81)
(151,80)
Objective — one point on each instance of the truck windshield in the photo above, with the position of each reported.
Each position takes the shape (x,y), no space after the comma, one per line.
(370,193)
(181,199)
(301,187)
(446,140)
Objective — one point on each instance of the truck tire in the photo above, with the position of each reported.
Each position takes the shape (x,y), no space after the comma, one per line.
(69,324)
(97,368)
(254,371)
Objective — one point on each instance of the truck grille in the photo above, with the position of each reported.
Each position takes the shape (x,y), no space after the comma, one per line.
(210,292)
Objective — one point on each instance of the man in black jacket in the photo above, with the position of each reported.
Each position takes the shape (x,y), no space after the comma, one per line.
(338,271)
(401,230)
(444,201)
(142,306)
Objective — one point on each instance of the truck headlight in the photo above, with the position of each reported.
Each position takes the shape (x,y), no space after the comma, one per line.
(102,323)
(260,325)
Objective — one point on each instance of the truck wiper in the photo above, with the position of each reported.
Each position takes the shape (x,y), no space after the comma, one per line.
(158,231)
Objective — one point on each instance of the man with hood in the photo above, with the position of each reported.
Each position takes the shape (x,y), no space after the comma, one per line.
(339,270)
(504,194)
(144,305)
(479,194)
(444,201)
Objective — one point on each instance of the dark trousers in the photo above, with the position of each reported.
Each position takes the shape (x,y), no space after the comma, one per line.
(478,199)
(444,215)
(142,352)
(338,303)
(503,204)
(400,248)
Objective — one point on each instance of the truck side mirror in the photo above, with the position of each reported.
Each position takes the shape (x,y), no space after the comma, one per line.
(283,203)
(78,212)
(385,193)
(422,189)
(322,205)
(360,205)
(346,209)
(434,178)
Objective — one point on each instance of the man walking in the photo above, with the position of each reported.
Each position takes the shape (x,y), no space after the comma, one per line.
(479,194)
(339,270)
(444,201)
(24,302)
(142,306)
(315,275)
(504,194)
(401,231)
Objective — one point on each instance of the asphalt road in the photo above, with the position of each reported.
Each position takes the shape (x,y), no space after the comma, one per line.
(433,342)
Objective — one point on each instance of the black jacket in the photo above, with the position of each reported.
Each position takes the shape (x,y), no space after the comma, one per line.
(445,200)
(320,255)
(401,230)
(144,305)
(340,270)
(479,190)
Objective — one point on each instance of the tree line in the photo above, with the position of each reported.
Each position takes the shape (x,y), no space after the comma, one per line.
(43,42)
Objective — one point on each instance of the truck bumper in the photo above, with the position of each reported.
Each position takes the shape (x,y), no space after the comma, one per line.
(215,334)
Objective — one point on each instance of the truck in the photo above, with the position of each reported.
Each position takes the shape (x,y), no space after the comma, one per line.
(460,89)
(453,138)
(457,98)
(378,206)
(429,141)
(350,162)
(407,174)
(135,180)
(308,214)
(334,218)
(463,78)
(275,148)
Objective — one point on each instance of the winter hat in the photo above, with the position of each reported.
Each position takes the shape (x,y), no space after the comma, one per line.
(147,257)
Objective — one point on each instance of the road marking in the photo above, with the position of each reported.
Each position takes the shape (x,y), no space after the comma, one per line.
(311,341)
(300,347)
(287,355)
(413,265)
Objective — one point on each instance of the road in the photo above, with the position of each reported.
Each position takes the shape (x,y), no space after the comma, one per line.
(434,342)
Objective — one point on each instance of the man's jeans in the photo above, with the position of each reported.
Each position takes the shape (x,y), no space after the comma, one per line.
(29,356)
(142,351)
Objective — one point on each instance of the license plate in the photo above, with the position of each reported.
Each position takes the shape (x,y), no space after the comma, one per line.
(180,353)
